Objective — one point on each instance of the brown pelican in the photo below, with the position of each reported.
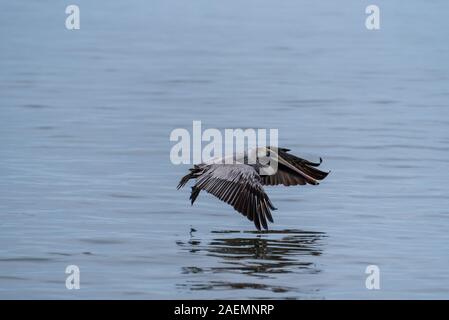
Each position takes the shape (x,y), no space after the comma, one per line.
(240,184)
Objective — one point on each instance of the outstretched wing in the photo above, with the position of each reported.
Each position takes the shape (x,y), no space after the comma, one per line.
(293,170)
(240,186)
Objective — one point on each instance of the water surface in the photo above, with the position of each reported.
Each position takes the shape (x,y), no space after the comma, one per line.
(84,148)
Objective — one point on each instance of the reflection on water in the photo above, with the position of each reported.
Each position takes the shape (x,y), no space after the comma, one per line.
(254,255)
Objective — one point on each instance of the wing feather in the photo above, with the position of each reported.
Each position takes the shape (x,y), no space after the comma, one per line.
(293,170)
(240,186)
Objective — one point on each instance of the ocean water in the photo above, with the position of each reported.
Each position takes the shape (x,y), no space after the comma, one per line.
(86,178)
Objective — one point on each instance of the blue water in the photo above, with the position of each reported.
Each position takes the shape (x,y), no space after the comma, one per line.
(85,174)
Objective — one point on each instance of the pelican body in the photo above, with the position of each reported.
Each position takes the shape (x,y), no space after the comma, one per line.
(238,179)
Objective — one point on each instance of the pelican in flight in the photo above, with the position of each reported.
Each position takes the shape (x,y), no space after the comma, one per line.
(240,183)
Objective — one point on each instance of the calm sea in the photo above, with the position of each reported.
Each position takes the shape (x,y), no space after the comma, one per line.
(85,174)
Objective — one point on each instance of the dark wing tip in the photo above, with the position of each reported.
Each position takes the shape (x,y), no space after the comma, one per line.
(184,180)
(314,164)
(279,149)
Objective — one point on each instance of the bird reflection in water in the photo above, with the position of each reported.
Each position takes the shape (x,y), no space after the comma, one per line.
(253,255)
